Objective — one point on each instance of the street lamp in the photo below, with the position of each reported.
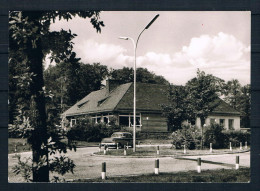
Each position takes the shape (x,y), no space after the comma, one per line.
(135,47)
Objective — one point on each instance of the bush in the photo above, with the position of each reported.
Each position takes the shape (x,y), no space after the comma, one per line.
(235,137)
(188,135)
(85,130)
(214,134)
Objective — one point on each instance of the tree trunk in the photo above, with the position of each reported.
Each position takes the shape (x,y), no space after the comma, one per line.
(37,108)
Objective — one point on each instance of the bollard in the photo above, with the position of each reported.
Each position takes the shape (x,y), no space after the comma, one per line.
(246,145)
(105,149)
(15,148)
(117,146)
(230,146)
(127,145)
(184,149)
(99,147)
(199,165)
(124,150)
(103,171)
(237,162)
(158,151)
(241,146)
(210,145)
(156,167)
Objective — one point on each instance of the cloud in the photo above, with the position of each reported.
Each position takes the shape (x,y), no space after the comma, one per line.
(108,54)
(222,55)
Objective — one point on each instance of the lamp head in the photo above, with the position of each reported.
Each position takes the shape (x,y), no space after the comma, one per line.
(124,38)
(156,16)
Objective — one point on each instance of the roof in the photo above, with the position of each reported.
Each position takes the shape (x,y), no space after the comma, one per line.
(149,97)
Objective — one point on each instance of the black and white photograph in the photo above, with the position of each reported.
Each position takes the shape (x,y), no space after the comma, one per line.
(129,96)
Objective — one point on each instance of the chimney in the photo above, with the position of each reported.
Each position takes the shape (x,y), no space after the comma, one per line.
(112,84)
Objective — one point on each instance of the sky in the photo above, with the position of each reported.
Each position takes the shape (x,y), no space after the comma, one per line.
(175,45)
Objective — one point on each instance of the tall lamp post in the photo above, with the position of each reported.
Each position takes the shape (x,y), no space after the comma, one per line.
(135,47)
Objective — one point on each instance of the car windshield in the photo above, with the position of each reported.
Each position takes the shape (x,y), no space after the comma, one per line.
(117,135)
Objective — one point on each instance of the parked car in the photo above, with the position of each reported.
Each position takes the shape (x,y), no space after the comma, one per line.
(122,138)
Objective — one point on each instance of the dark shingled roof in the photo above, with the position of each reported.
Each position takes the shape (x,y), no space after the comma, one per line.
(149,97)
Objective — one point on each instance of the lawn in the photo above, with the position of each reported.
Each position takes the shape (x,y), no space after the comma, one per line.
(165,151)
(17,145)
(222,175)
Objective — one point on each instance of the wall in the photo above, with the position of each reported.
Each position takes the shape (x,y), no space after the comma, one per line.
(217,118)
(153,123)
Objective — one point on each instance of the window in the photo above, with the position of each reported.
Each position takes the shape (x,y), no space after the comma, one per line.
(124,121)
(222,122)
(72,122)
(212,120)
(231,124)
(128,120)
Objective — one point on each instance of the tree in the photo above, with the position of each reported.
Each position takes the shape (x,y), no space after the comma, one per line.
(142,75)
(177,110)
(30,40)
(69,82)
(203,93)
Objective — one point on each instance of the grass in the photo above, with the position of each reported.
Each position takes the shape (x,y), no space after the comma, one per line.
(17,145)
(222,175)
(152,151)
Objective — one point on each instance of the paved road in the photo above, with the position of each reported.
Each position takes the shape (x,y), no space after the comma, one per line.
(89,165)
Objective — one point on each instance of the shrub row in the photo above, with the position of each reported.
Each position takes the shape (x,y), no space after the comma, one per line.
(190,136)
(85,130)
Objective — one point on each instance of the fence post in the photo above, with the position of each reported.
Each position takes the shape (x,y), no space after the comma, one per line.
(230,146)
(15,148)
(124,150)
(199,165)
(210,145)
(246,145)
(103,171)
(117,146)
(158,151)
(237,162)
(184,149)
(241,146)
(156,167)
(127,145)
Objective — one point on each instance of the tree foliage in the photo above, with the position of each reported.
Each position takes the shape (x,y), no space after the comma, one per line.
(29,41)
(142,75)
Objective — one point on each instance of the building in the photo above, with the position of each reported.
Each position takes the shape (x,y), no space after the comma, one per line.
(116,101)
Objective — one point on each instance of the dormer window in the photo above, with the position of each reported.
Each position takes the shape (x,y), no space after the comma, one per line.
(82,104)
(100,102)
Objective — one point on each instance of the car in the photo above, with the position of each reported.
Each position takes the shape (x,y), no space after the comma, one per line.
(120,138)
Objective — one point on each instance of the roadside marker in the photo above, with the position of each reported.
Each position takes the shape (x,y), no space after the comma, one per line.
(127,145)
(246,145)
(199,165)
(158,151)
(210,145)
(241,146)
(237,162)
(230,146)
(15,148)
(156,167)
(184,147)
(103,171)
(105,149)
(117,146)
(99,147)
(124,150)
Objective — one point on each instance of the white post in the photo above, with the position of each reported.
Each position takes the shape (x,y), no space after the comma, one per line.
(241,146)
(237,162)
(210,145)
(158,151)
(230,146)
(184,149)
(199,165)
(124,150)
(156,167)
(117,146)
(246,145)
(103,171)
(105,149)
